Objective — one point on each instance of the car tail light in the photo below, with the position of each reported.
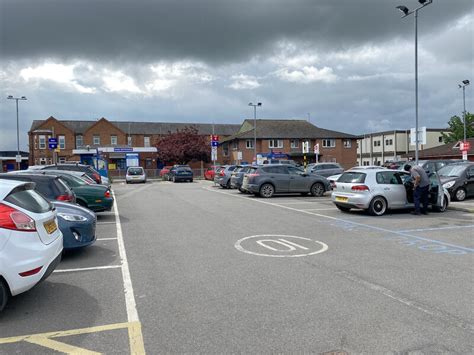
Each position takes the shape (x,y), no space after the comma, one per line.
(96,177)
(360,188)
(30,272)
(222,173)
(107,194)
(13,219)
(65,197)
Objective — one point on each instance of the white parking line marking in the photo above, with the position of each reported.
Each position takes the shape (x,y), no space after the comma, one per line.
(380,229)
(436,229)
(106,238)
(88,268)
(131,305)
(317,209)
(106,222)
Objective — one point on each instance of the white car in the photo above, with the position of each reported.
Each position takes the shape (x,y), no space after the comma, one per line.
(31,243)
(135,174)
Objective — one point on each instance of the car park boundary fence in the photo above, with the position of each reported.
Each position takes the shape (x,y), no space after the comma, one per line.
(119,174)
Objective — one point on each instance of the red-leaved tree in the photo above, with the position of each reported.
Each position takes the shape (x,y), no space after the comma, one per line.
(183,146)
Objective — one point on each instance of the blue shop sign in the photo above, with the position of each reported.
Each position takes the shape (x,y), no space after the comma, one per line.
(123,150)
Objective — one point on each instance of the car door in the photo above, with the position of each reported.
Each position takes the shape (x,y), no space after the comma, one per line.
(391,187)
(470,181)
(299,181)
(279,177)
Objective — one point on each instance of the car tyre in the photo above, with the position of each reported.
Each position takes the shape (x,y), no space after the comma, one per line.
(343,208)
(191,180)
(267,190)
(317,189)
(378,206)
(460,194)
(4,294)
(442,208)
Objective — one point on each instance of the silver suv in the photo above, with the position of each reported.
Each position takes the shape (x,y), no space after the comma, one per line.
(324,169)
(223,175)
(270,179)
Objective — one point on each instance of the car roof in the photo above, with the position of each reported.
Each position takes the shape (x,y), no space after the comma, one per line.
(11,176)
(6,186)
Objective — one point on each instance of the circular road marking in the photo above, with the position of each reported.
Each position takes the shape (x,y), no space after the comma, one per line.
(280,246)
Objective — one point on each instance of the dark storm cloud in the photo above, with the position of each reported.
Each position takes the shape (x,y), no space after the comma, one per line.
(217,31)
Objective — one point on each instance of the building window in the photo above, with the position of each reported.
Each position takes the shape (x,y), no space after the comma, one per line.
(146,141)
(235,145)
(389,141)
(225,150)
(61,160)
(79,141)
(347,143)
(275,143)
(440,139)
(294,143)
(129,141)
(376,143)
(329,143)
(96,140)
(42,142)
(113,140)
(249,144)
(62,142)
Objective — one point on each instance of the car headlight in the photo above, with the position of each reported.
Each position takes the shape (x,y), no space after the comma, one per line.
(449,184)
(72,217)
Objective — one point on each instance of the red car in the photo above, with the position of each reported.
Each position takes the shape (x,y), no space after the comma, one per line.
(210,172)
(164,172)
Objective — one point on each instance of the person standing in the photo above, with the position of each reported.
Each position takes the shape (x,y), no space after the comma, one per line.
(421,185)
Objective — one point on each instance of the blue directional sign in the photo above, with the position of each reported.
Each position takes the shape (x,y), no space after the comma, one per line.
(53,143)
(214,144)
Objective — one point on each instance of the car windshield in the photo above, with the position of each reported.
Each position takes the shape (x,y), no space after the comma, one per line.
(452,170)
(135,171)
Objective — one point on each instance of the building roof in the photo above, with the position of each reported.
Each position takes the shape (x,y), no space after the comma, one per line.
(80,127)
(368,135)
(445,150)
(279,129)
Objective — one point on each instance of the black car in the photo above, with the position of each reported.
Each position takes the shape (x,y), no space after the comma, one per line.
(458,179)
(51,187)
(267,180)
(181,173)
(89,170)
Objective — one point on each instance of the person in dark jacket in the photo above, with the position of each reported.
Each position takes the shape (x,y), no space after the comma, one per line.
(421,185)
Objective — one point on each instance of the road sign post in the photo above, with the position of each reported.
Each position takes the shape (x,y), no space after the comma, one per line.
(316,151)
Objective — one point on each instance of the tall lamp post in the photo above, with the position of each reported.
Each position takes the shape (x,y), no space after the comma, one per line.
(463,86)
(407,12)
(10,97)
(255,128)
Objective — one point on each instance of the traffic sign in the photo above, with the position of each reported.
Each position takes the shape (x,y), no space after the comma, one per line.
(53,143)
(464,146)
(316,148)
(214,144)
(305,147)
(214,138)
(18,158)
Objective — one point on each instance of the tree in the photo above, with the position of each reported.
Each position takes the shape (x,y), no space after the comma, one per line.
(183,146)
(456,128)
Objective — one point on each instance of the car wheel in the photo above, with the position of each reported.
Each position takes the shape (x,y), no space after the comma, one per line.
(191,180)
(4,294)
(378,206)
(267,190)
(343,208)
(460,194)
(317,189)
(442,208)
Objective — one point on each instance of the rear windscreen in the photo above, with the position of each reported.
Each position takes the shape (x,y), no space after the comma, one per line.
(29,200)
(352,177)
(135,171)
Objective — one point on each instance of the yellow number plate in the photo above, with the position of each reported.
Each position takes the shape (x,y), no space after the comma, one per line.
(50,226)
(341,199)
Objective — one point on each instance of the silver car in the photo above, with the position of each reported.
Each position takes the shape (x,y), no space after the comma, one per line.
(135,174)
(377,190)
(223,175)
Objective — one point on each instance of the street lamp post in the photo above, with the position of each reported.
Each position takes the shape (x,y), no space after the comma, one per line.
(407,12)
(10,97)
(463,86)
(255,128)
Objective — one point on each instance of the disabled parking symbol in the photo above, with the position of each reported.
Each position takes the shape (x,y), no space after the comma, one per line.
(280,246)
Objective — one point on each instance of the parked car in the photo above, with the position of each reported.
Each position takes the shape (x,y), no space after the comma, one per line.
(164,172)
(135,174)
(458,179)
(378,190)
(279,161)
(223,174)
(89,170)
(50,186)
(333,178)
(77,224)
(181,173)
(211,172)
(267,180)
(30,242)
(324,169)
(431,166)
(237,177)
(95,197)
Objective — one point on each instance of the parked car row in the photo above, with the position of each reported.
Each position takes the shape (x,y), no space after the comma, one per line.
(44,212)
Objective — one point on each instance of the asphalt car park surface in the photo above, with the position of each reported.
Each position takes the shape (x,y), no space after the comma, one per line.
(217,271)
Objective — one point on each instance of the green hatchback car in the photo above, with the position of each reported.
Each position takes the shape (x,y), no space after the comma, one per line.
(95,197)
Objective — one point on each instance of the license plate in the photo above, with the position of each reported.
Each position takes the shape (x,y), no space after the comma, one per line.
(50,226)
(342,199)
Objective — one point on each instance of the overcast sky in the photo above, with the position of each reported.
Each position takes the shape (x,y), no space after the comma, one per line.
(347,65)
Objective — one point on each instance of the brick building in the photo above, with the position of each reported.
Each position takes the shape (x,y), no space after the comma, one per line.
(117,141)
(284,138)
